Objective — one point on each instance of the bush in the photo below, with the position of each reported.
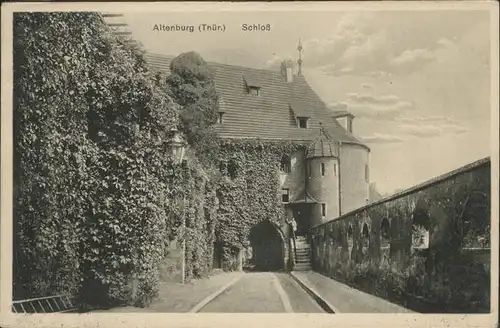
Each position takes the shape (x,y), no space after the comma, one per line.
(90,207)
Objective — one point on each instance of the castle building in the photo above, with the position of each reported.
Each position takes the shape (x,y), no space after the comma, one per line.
(327,179)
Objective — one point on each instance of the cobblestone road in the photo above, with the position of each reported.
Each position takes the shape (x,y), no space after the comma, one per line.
(264,292)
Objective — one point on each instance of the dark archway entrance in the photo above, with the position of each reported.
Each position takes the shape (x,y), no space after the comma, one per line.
(267,247)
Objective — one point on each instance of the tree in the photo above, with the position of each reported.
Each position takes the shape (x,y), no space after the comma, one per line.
(192,86)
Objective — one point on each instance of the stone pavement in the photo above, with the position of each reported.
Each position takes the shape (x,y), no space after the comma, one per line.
(176,297)
(263,292)
(342,298)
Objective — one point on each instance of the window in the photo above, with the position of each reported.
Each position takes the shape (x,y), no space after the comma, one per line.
(303,122)
(232,169)
(367,174)
(309,170)
(323,209)
(220,117)
(323,169)
(335,169)
(285,195)
(286,165)
(254,90)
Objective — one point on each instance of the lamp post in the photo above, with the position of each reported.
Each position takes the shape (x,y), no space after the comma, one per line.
(177,145)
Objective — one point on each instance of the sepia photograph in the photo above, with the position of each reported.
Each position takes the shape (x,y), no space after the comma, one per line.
(276,160)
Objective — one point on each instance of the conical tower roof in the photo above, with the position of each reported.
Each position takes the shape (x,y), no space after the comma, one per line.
(322,146)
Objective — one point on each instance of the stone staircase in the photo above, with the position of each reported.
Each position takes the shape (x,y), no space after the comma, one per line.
(302,255)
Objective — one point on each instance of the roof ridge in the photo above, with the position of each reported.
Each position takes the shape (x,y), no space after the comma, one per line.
(270,114)
(230,65)
(211,62)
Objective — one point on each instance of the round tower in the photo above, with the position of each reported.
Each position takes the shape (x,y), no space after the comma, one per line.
(322,160)
(354,176)
(354,165)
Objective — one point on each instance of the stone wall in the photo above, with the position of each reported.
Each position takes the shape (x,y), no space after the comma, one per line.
(324,188)
(426,248)
(295,179)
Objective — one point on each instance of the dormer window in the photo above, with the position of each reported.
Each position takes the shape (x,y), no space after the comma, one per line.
(253,90)
(302,122)
(220,119)
(344,118)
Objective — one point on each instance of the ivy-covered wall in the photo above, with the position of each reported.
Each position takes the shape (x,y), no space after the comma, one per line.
(249,191)
(98,197)
(427,248)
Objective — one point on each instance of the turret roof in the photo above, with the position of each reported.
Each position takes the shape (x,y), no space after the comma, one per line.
(323,146)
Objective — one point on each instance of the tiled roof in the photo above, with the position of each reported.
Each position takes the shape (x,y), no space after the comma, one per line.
(253,80)
(322,146)
(268,115)
(303,197)
(299,108)
(340,113)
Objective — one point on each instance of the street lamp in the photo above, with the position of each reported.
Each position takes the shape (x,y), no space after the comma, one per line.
(177,145)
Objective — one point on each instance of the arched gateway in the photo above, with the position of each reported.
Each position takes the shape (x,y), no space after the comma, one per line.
(267,241)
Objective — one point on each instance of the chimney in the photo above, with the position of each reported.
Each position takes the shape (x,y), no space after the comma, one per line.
(287,70)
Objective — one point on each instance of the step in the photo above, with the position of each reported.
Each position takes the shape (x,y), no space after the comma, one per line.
(308,258)
(302,268)
(302,254)
(308,263)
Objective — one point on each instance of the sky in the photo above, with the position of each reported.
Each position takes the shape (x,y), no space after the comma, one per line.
(418,82)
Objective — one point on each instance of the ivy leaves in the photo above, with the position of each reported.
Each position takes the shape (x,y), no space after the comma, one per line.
(249,190)
(97,196)
(91,194)
(191,85)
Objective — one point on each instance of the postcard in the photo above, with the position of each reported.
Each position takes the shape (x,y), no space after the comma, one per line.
(226,164)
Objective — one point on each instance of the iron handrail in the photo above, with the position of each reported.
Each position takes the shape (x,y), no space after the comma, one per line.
(48,304)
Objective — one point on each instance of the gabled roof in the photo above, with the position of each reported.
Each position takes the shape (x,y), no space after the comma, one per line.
(299,108)
(272,114)
(252,80)
(341,113)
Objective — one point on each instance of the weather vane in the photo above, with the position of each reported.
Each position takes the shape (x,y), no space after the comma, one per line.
(299,61)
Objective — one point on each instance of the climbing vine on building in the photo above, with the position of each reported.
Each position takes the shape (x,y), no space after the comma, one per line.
(249,190)
(97,195)
(90,194)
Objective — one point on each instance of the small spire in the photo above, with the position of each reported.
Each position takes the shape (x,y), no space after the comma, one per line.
(299,61)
